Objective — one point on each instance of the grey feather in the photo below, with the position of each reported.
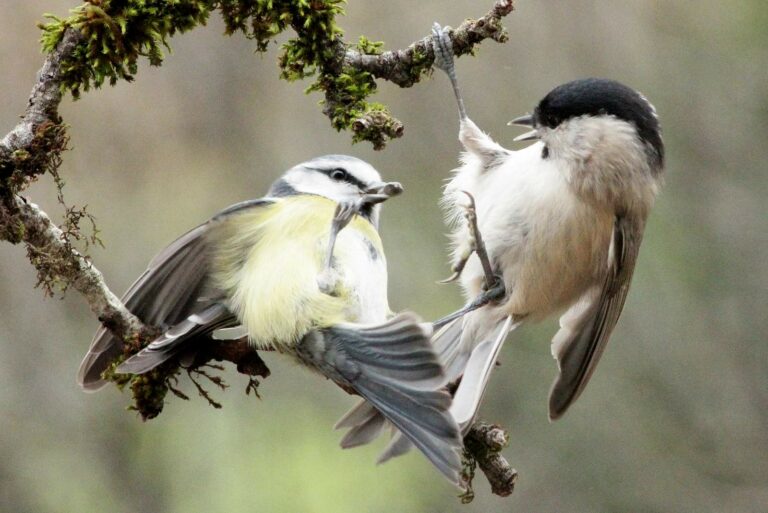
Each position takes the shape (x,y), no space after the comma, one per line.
(358,414)
(394,368)
(469,394)
(170,343)
(398,446)
(365,432)
(365,423)
(170,290)
(585,331)
(453,357)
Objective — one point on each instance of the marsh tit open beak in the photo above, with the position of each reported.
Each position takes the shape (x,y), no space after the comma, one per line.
(382,191)
(526,120)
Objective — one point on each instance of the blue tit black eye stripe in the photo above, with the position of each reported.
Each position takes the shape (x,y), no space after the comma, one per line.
(349,178)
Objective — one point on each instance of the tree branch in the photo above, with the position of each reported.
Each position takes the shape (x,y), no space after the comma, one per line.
(483,445)
(57,261)
(33,147)
(20,149)
(406,67)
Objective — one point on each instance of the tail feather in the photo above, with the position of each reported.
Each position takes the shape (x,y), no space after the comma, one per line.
(393,367)
(358,414)
(397,446)
(447,346)
(365,432)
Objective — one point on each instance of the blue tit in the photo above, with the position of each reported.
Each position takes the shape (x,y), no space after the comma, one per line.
(301,271)
(552,228)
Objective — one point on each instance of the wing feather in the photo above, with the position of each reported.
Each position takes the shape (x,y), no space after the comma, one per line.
(587,326)
(173,287)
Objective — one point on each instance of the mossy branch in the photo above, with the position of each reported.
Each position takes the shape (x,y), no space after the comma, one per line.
(102,41)
(114,35)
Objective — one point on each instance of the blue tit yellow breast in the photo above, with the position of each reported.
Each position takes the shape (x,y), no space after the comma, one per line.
(267,260)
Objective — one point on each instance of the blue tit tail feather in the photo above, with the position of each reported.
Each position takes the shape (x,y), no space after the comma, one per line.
(365,424)
(393,367)
(446,343)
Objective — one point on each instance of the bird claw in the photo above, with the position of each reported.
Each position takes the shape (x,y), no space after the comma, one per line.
(450,279)
(328,279)
(493,294)
(443,48)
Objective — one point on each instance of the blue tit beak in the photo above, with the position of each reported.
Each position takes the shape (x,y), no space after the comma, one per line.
(526,120)
(379,192)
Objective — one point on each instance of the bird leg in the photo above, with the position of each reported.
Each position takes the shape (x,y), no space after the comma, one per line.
(473,139)
(474,244)
(328,279)
(443,47)
(494,286)
(487,296)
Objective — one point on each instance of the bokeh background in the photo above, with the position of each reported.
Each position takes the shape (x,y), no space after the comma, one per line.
(675,419)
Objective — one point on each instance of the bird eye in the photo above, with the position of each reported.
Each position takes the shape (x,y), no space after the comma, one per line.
(338,174)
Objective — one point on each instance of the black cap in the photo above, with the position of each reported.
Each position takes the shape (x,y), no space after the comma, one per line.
(599,96)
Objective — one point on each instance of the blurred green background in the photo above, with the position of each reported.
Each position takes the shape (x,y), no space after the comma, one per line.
(675,419)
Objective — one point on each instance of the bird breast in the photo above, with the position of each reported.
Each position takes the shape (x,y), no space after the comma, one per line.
(268,261)
(549,245)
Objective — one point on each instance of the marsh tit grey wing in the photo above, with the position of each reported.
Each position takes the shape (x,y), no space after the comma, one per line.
(586,328)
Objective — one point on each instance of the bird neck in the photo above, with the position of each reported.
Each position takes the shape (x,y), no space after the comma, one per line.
(604,162)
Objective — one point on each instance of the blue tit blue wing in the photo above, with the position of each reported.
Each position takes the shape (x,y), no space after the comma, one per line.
(446,343)
(178,338)
(366,430)
(173,288)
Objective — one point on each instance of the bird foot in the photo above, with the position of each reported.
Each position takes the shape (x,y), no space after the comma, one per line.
(474,244)
(443,49)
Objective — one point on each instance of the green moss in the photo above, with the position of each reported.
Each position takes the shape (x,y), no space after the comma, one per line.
(118,33)
(42,155)
(368,47)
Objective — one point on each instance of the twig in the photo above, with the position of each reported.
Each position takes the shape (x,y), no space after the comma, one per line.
(56,260)
(483,445)
(44,100)
(402,66)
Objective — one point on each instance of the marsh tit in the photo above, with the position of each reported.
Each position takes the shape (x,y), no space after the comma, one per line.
(301,271)
(553,227)
(561,220)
